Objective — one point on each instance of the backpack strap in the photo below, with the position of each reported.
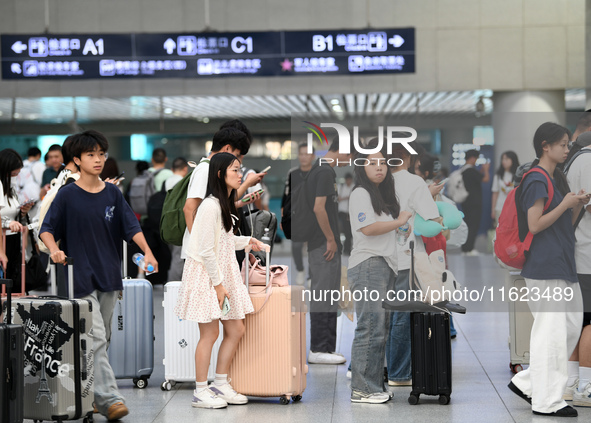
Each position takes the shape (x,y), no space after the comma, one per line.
(529,237)
(572,159)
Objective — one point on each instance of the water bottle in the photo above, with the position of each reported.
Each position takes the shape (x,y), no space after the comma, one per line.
(138,258)
(402,234)
(266,238)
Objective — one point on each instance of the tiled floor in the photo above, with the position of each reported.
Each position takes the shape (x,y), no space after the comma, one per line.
(480,376)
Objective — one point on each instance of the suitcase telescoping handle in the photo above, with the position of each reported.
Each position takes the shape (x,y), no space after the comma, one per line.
(267,267)
(8,283)
(52,271)
(411,279)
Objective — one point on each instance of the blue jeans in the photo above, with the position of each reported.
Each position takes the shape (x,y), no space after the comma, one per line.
(398,345)
(369,345)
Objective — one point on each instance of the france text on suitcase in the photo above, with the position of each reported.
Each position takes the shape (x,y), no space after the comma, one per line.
(58,356)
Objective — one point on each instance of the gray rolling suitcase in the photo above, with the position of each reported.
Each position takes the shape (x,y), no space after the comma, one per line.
(11,364)
(58,355)
(131,349)
(520,323)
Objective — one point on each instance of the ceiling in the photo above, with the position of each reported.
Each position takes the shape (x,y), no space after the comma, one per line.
(63,110)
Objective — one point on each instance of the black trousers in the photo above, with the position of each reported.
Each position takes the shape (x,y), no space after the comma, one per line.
(472,214)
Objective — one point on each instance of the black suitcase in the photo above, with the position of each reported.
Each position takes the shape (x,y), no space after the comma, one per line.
(11,365)
(430,344)
(430,356)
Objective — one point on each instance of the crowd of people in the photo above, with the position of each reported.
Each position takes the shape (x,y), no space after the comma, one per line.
(373,203)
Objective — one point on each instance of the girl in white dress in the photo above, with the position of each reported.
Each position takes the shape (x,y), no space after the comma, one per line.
(210,275)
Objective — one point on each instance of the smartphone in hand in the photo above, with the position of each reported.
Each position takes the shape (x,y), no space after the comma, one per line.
(226,306)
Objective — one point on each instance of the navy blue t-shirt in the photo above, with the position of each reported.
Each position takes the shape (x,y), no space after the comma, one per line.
(91,227)
(552,252)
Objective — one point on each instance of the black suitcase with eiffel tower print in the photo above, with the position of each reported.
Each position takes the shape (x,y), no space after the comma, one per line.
(59,358)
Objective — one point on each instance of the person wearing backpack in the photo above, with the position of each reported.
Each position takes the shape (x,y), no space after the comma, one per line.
(472,205)
(158,169)
(578,386)
(227,140)
(294,178)
(141,189)
(550,267)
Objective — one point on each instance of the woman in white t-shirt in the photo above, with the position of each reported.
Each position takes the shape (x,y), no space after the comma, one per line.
(375,215)
(11,213)
(503,182)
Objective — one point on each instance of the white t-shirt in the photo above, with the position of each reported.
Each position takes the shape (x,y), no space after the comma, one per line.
(197,189)
(413,196)
(172,181)
(10,211)
(579,177)
(362,214)
(345,191)
(502,186)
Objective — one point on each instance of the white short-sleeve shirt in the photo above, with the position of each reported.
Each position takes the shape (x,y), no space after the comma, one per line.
(579,177)
(362,214)
(502,186)
(197,189)
(413,196)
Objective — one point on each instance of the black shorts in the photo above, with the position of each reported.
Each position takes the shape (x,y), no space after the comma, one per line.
(585,284)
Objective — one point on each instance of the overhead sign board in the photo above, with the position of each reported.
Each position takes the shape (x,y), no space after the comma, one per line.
(202,55)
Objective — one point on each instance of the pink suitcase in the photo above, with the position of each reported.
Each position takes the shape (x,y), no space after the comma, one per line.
(271,358)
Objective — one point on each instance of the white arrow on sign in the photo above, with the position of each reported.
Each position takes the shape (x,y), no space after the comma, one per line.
(19,47)
(169,45)
(396,41)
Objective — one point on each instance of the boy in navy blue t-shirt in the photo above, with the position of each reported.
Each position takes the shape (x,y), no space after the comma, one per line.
(91,218)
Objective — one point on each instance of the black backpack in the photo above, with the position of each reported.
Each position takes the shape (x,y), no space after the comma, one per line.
(155,205)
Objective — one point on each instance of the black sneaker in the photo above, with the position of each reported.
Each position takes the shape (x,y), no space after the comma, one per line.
(567,411)
(519,392)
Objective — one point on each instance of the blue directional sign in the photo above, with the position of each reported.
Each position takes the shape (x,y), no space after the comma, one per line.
(206,55)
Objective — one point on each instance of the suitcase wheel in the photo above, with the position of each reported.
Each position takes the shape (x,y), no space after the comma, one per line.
(296,398)
(515,368)
(444,399)
(140,383)
(88,419)
(284,400)
(413,399)
(166,386)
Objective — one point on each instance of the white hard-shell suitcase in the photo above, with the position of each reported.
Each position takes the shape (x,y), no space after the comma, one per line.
(520,324)
(180,340)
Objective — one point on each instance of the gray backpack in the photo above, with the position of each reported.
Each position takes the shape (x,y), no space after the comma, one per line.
(140,191)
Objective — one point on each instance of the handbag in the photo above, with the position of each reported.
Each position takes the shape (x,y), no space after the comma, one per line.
(257,272)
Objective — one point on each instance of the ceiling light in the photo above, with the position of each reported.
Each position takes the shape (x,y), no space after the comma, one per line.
(334,101)
(205,120)
(17,115)
(168,110)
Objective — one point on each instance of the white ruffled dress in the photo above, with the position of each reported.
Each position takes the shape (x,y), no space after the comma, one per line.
(211,258)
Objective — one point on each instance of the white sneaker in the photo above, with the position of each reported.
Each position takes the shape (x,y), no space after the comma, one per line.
(348,374)
(570,390)
(228,394)
(207,399)
(377,398)
(301,278)
(400,383)
(325,358)
(339,354)
(582,399)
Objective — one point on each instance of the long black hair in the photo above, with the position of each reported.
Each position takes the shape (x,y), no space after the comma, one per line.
(383,196)
(514,164)
(10,161)
(547,134)
(216,186)
(429,165)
